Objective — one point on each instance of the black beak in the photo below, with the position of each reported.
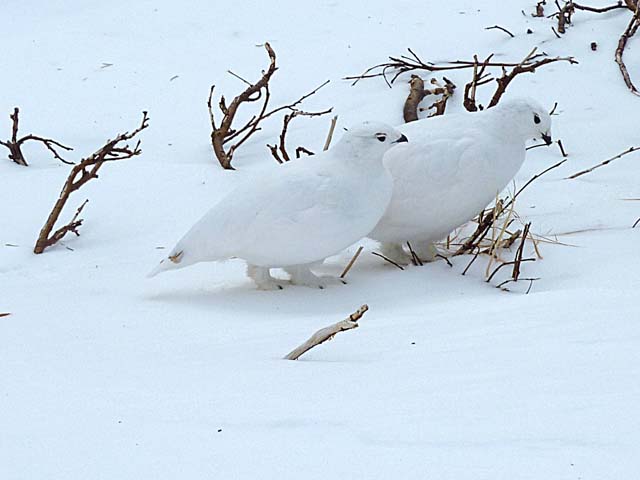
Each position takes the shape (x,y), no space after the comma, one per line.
(401,139)
(547,139)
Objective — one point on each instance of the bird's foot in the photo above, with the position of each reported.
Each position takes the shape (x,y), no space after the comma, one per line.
(305,277)
(273,284)
(263,279)
(426,252)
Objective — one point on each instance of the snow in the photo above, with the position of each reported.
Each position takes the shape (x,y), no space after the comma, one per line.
(106,374)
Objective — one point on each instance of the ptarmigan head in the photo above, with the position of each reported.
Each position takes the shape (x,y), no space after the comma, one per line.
(372,139)
(530,118)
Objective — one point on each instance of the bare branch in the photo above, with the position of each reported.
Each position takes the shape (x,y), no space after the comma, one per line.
(328,333)
(225,133)
(629,32)
(80,174)
(606,162)
(386,259)
(404,64)
(15,144)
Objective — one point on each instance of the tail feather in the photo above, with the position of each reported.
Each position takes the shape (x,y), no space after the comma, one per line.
(169,263)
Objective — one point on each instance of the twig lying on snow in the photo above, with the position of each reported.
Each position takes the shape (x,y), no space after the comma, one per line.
(4,314)
(328,333)
(606,162)
(636,223)
(81,174)
(387,260)
(498,27)
(15,144)
(225,132)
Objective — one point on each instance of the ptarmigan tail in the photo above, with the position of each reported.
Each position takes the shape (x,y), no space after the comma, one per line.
(172,262)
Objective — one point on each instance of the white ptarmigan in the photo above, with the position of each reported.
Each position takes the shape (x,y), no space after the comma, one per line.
(297,214)
(454,167)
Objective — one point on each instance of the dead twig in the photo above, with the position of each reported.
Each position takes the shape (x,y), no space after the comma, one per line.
(484,224)
(498,27)
(518,259)
(629,32)
(478,78)
(416,94)
(80,174)
(606,162)
(539,9)
(528,65)
(327,142)
(533,179)
(411,63)
(301,150)
(4,314)
(388,260)
(14,145)
(224,132)
(505,264)
(328,333)
(501,285)
(415,259)
(279,151)
(438,255)
(351,262)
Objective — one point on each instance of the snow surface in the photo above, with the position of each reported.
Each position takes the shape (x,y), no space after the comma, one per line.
(107,375)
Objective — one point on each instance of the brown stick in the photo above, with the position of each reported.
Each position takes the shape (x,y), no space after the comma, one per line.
(327,142)
(386,259)
(80,174)
(351,262)
(404,64)
(446,92)
(301,150)
(481,230)
(527,65)
(416,94)
(606,162)
(498,27)
(225,133)
(15,144)
(505,264)
(518,260)
(479,78)
(279,151)
(417,261)
(4,314)
(629,32)
(328,333)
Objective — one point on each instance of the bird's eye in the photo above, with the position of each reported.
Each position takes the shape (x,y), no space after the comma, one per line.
(381,137)
(536,119)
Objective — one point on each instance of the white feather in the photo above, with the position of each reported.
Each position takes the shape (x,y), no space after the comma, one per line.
(298,213)
(453,167)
